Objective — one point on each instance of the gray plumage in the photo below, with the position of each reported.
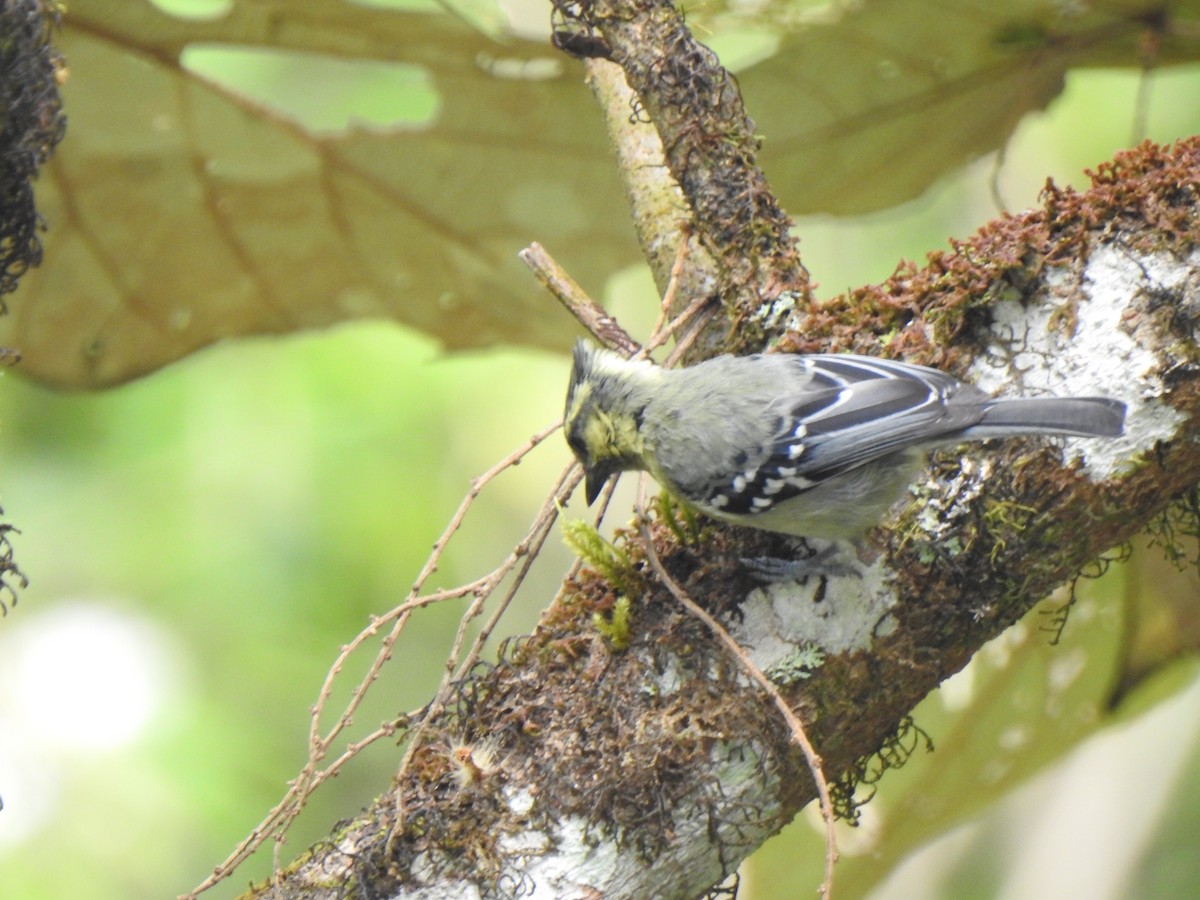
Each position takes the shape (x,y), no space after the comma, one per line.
(815,445)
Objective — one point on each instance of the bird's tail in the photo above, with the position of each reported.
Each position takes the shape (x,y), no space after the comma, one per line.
(1083,416)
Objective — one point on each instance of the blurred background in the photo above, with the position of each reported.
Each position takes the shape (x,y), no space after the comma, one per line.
(200,543)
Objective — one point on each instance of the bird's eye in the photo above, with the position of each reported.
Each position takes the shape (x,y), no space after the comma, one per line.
(577,446)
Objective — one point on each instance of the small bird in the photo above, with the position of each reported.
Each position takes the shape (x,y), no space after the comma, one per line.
(814,445)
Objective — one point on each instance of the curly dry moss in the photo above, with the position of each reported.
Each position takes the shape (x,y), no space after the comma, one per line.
(12,579)
(31,125)
(867,771)
(1144,199)
(1055,620)
(1176,531)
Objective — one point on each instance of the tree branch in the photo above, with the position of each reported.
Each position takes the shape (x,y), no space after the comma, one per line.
(627,766)
(624,769)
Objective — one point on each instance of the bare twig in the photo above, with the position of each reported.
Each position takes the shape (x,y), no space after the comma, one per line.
(278,820)
(673,280)
(589,313)
(525,552)
(756,674)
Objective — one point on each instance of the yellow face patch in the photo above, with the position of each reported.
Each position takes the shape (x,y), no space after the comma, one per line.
(598,434)
(578,398)
(603,438)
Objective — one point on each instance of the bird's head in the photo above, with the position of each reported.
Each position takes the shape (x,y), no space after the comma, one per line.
(606,399)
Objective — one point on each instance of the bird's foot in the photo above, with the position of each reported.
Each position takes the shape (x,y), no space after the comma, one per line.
(776,570)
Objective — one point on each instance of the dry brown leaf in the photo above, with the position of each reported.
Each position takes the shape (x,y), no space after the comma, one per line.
(868,108)
(181,213)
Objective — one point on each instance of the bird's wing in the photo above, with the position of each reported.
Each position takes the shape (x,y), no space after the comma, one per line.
(870,408)
(854,409)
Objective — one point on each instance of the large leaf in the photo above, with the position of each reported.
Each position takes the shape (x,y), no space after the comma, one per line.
(867,110)
(182,212)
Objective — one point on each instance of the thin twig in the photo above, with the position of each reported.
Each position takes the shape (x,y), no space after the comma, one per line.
(568,480)
(520,558)
(277,820)
(482,593)
(691,318)
(589,313)
(311,776)
(668,299)
(756,674)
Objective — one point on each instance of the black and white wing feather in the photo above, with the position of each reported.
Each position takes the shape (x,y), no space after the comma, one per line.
(852,411)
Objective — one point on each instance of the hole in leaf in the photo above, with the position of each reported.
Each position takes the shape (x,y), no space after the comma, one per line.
(196,10)
(321,93)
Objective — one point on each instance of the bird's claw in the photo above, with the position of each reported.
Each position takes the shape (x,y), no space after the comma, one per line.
(775,570)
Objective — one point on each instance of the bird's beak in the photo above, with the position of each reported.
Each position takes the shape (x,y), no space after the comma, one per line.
(593,484)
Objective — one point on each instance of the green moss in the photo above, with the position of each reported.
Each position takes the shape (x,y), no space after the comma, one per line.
(605,557)
(615,628)
(797,667)
(679,518)
(1176,531)
(1004,517)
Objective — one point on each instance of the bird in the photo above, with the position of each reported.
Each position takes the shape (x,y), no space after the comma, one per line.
(807,445)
